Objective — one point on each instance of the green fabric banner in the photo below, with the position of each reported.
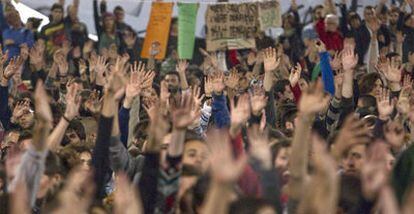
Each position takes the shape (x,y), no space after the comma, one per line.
(187,17)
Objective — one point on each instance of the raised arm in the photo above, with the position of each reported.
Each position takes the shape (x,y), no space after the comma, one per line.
(181,67)
(312,102)
(32,166)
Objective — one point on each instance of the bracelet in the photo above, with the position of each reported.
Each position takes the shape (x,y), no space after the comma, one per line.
(65,118)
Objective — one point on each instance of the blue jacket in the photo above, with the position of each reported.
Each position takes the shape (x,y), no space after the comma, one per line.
(18,35)
(327,73)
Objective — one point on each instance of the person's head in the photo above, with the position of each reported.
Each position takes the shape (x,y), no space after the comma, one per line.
(73,13)
(394,58)
(13,18)
(174,27)
(173,81)
(119,14)
(33,23)
(195,153)
(318,12)
(56,13)
(383,15)
(53,175)
(351,199)
(109,22)
(409,21)
(369,13)
(354,158)
(281,153)
(354,20)
(75,133)
(370,84)
(251,205)
(394,14)
(282,90)
(331,23)
(288,117)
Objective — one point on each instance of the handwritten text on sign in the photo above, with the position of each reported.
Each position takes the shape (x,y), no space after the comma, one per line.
(231,22)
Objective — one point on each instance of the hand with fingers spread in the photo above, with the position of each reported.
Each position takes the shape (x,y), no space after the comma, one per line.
(217,81)
(19,110)
(313,100)
(93,103)
(224,168)
(349,59)
(239,114)
(259,146)
(181,66)
(12,68)
(271,61)
(208,86)
(184,113)
(101,67)
(384,104)
(294,76)
(393,71)
(336,62)
(73,101)
(232,81)
(354,131)
(146,77)
(403,103)
(258,102)
(37,57)
(197,96)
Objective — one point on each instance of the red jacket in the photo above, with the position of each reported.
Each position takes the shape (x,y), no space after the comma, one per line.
(332,40)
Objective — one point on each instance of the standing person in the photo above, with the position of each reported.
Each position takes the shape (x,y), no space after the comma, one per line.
(13,32)
(54,33)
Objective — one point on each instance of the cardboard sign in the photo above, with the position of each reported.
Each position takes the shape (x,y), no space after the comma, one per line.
(187,17)
(158,29)
(269,14)
(231,26)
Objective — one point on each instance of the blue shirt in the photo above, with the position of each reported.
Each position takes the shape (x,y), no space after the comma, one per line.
(19,36)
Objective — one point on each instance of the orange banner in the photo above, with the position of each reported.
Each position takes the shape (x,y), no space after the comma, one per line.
(158,30)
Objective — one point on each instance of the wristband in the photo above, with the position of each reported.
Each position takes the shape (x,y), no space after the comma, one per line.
(65,118)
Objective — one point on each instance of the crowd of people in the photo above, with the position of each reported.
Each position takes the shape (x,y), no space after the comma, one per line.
(317,120)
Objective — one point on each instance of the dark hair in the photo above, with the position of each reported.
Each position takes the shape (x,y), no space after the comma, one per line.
(350,196)
(280,87)
(275,148)
(118,8)
(173,73)
(368,100)
(367,82)
(24,135)
(249,205)
(78,127)
(54,165)
(391,55)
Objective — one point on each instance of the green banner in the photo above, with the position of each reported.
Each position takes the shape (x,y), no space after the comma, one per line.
(187,16)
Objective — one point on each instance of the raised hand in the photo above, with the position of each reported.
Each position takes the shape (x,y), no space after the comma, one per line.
(240,113)
(384,104)
(217,81)
(271,61)
(181,66)
(197,96)
(208,86)
(258,101)
(313,100)
(295,73)
(320,46)
(3,56)
(145,77)
(403,103)
(225,169)
(126,198)
(393,71)
(184,113)
(259,146)
(73,101)
(232,81)
(349,59)
(79,190)
(20,108)
(100,68)
(13,67)
(336,63)
(93,103)
(43,111)
(374,172)
(354,131)
(36,57)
